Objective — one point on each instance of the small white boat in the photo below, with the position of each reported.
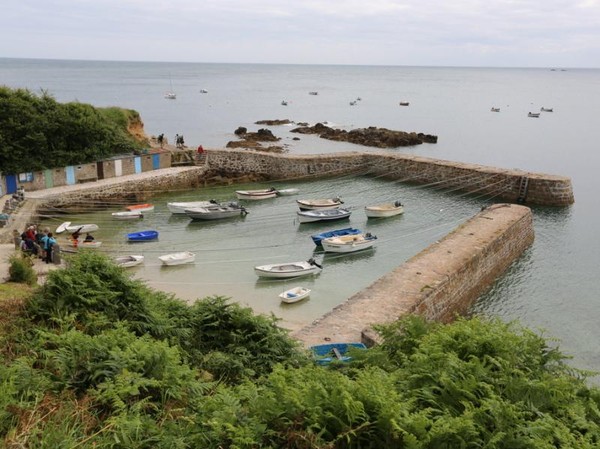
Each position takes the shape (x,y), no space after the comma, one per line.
(320,204)
(288,270)
(82,229)
(140,207)
(294,294)
(495,109)
(533,114)
(203,91)
(127,215)
(129,261)
(256,194)
(404,103)
(309,216)
(216,212)
(287,192)
(177,258)
(384,210)
(180,207)
(543,109)
(171,96)
(348,243)
(284,103)
(83,244)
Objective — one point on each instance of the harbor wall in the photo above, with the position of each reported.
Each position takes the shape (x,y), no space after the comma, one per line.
(440,282)
(502,184)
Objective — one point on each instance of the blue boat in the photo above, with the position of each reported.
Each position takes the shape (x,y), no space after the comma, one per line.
(326,353)
(333,233)
(142,236)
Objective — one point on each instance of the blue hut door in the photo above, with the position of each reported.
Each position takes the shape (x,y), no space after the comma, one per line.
(155,161)
(11,183)
(70,175)
(138,164)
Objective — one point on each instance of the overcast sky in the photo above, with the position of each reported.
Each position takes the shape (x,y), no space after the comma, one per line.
(496,33)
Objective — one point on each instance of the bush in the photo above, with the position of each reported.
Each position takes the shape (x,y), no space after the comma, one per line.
(21,270)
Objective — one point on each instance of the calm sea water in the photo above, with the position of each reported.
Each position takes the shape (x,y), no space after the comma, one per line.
(554,286)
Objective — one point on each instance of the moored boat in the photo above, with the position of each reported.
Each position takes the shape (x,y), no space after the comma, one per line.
(309,216)
(326,353)
(294,294)
(348,243)
(128,215)
(69,227)
(216,212)
(320,204)
(404,103)
(533,114)
(179,258)
(260,194)
(495,109)
(142,236)
(129,261)
(317,238)
(384,210)
(288,270)
(180,207)
(543,109)
(140,207)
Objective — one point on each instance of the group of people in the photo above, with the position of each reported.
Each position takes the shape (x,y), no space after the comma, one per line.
(36,242)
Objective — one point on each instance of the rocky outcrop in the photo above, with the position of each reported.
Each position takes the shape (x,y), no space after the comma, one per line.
(253,140)
(371,136)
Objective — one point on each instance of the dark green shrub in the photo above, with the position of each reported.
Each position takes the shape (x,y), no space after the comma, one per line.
(21,269)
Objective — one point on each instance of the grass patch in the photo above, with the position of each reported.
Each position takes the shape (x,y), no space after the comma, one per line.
(13,290)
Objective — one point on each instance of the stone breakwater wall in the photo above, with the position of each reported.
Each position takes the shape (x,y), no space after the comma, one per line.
(442,281)
(101,194)
(501,184)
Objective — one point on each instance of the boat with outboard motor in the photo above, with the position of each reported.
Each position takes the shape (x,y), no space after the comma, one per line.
(216,212)
(288,270)
(309,216)
(320,204)
(384,210)
(317,238)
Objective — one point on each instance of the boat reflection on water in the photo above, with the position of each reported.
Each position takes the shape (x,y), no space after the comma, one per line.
(343,258)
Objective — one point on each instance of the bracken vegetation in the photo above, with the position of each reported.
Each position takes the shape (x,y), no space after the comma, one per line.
(94,359)
(37,132)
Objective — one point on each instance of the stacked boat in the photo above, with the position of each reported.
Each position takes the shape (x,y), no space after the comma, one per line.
(216,211)
(309,216)
(317,238)
(320,204)
(348,243)
(261,194)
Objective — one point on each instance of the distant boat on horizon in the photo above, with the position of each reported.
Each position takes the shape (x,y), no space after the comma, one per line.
(171,95)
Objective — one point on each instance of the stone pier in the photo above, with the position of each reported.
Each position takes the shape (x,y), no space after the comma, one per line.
(440,282)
